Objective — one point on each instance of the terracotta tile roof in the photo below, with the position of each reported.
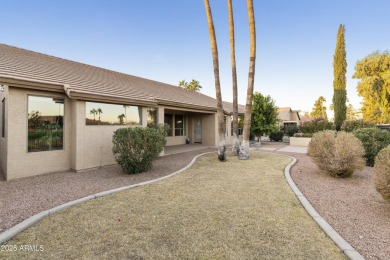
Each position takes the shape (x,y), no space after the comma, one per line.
(89,80)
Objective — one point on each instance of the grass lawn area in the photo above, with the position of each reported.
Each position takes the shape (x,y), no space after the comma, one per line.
(232,210)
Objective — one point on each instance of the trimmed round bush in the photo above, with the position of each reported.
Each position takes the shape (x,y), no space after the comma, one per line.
(382,173)
(135,148)
(276,136)
(290,130)
(351,125)
(374,140)
(338,153)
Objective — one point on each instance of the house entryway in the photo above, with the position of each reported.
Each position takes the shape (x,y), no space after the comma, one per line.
(198,130)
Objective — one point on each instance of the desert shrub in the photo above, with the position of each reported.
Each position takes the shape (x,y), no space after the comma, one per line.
(373,140)
(351,125)
(303,135)
(316,125)
(276,136)
(290,130)
(382,173)
(135,148)
(338,153)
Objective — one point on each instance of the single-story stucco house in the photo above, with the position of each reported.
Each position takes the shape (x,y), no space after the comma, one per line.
(57,114)
(288,117)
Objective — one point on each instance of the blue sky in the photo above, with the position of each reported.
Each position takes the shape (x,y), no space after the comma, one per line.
(168,40)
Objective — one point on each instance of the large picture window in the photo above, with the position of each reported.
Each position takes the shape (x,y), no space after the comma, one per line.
(3,118)
(110,114)
(45,124)
(168,119)
(180,126)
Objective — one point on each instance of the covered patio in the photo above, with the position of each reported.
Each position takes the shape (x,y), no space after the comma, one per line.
(182,148)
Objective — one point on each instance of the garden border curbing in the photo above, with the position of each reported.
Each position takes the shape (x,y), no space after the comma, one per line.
(346,248)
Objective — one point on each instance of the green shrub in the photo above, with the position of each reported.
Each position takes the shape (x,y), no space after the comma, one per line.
(135,148)
(382,173)
(351,125)
(276,136)
(303,135)
(338,153)
(373,140)
(315,126)
(290,130)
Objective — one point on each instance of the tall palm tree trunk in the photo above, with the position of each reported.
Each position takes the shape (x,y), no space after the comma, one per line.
(244,149)
(236,143)
(214,51)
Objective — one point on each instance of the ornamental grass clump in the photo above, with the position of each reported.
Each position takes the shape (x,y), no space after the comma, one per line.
(135,148)
(382,173)
(338,153)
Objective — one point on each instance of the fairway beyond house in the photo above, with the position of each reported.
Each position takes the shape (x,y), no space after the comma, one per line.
(232,210)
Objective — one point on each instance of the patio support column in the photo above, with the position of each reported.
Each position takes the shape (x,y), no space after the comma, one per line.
(78,135)
(160,120)
(144,118)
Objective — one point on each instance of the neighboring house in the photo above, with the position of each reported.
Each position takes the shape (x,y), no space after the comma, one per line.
(288,117)
(58,114)
(306,119)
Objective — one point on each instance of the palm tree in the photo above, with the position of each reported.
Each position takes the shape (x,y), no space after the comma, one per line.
(183,84)
(244,149)
(236,143)
(93,112)
(214,51)
(99,111)
(192,86)
(120,117)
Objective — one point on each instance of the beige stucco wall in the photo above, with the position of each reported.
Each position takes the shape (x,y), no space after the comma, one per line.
(85,146)
(300,141)
(92,143)
(20,162)
(210,129)
(3,140)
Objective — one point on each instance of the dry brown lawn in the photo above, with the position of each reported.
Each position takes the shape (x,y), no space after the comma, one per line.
(232,210)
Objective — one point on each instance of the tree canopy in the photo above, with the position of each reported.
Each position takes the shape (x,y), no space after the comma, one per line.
(319,109)
(264,114)
(192,86)
(373,73)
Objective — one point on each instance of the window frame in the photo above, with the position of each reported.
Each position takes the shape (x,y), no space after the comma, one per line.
(3,118)
(184,128)
(63,121)
(139,108)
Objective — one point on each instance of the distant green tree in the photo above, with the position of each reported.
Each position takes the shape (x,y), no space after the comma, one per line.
(319,109)
(374,86)
(352,113)
(264,115)
(99,111)
(120,117)
(340,80)
(192,86)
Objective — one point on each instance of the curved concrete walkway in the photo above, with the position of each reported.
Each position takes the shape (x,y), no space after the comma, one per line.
(347,249)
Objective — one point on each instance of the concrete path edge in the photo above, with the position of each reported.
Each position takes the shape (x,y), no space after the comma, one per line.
(346,248)
(13,231)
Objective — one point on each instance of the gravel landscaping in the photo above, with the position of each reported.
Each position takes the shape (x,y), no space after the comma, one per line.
(351,206)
